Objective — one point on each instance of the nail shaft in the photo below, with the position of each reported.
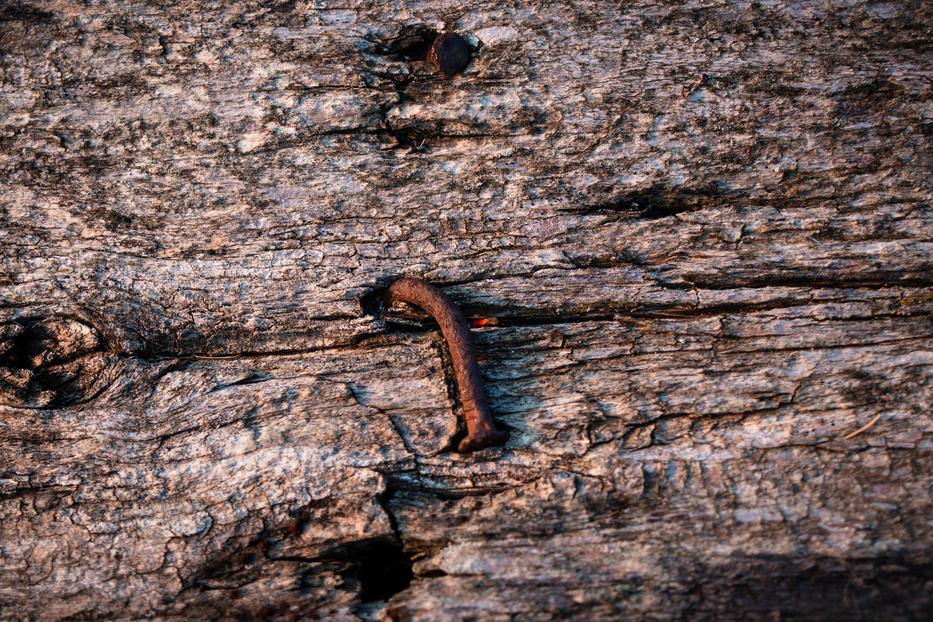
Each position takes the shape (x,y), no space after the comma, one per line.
(481,431)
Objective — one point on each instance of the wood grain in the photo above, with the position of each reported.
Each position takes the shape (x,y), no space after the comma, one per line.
(696,238)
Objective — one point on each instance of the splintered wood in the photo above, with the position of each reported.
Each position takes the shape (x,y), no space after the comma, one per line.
(694,241)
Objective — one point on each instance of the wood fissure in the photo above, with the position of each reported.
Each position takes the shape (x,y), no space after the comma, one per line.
(694,242)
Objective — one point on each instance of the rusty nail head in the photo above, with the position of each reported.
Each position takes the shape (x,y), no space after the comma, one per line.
(450,53)
(481,430)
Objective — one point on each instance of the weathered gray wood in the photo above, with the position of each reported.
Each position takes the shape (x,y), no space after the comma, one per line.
(698,235)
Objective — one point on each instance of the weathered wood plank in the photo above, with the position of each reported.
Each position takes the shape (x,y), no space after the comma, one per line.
(699,238)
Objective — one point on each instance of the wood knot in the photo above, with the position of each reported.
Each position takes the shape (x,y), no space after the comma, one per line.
(49,362)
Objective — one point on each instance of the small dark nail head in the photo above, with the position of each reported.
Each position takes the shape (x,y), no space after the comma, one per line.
(450,53)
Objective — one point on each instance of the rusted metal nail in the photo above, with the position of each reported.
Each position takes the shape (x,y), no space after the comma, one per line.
(450,53)
(481,430)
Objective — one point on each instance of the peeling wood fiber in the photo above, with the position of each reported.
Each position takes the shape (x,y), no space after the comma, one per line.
(694,238)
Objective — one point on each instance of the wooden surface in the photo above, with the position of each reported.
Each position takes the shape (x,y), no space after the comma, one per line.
(698,235)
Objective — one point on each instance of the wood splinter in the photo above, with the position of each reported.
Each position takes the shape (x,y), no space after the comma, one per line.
(481,430)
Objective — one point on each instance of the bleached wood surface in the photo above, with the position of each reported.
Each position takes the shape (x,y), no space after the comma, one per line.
(699,234)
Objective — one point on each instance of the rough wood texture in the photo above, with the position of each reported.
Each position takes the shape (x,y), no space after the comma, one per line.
(700,235)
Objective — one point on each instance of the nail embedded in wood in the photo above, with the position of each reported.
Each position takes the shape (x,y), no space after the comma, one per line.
(450,53)
(481,430)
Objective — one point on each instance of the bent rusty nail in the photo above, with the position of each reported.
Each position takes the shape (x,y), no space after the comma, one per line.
(481,430)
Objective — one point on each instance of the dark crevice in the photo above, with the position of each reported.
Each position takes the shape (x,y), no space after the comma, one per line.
(372,303)
(550,320)
(411,44)
(877,280)
(21,12)
(655,202)
(454,494)
(253,377)
(377,567)
(384,572)
(154,355)
(408,137)
(384,568)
